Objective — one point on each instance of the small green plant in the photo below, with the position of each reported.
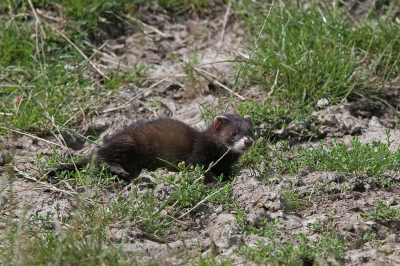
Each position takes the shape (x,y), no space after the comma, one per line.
(382,211)
(266,229)
(324,186)
(258,155)
(90,176)
(293,198)
(322,226)
(371,237)
(189,189)
(211,260)
(297,250)
(368,236)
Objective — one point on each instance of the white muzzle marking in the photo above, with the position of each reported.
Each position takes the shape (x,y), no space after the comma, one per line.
(240,146)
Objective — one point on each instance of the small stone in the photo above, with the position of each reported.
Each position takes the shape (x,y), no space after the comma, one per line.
(54,180)
(177,96)
(331,120)
(323,102)
(4,200)
(391,201)
(80,189)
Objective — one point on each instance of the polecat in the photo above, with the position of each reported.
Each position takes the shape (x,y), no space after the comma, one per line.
(166,142)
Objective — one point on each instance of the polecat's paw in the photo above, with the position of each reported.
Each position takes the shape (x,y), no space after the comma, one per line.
(118,170)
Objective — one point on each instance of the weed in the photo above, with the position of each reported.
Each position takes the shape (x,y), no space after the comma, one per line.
(293,199)
(212,260)
(322,226)
(297,250)
(382,211)
(266,229)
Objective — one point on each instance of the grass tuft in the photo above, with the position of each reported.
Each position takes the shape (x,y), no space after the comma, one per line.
(313,51)
(359,160)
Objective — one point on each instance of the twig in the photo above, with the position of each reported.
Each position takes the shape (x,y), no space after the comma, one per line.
(79,50)
(38,23)
(273,86)
(38,20)
(12,85)
(206,198)
(77,113)
(164,46)
(213,164)
(347,94)
(228,10)
(32,136)
(48,186)
(208,73)
(57,138)
(255,47)
(219,83)
(154,29)
(231,91)
(200,202)
(134,98)
(103,99)
(8,23)
(95,52)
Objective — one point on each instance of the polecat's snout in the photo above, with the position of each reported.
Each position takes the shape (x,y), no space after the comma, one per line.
(243,145)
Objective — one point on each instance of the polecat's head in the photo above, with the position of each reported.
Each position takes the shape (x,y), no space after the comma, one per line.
(234,132)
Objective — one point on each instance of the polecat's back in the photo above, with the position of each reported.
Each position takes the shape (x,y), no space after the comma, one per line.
(149,144)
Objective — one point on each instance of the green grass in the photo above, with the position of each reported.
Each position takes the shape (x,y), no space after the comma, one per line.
(82,234)
(35,242)
(296,249)
(303,56)
(383,212)
(51,78)
(360,160)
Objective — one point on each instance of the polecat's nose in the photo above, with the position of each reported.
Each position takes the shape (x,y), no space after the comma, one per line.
(248,142)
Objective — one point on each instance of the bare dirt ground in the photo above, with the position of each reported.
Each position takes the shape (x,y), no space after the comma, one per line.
(169,92)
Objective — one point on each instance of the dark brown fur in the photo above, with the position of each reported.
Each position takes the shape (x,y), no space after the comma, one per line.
(166,142)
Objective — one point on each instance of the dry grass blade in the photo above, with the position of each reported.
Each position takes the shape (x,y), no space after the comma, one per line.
(79,50)
(35,137)
(228,11)
(229,90)
(46,185)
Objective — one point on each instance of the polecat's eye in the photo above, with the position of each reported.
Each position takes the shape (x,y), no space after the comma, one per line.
(234,133)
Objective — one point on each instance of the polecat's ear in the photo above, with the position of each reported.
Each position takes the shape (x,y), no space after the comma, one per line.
(248,119)
(219,120)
